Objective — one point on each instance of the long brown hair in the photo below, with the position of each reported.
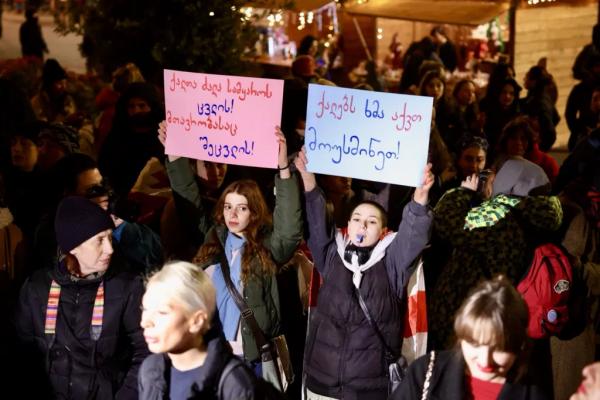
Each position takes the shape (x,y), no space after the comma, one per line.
(260,219)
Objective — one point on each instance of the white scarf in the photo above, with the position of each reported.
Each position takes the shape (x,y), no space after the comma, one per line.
(377,254)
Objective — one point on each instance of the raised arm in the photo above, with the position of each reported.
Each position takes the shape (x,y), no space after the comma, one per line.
(320,236)
(187,196)
(287,216)
(413,234)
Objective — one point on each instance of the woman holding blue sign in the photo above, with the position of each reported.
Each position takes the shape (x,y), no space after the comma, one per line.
(365,270)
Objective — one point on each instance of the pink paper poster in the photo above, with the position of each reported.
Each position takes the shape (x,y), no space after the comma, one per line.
(227,119)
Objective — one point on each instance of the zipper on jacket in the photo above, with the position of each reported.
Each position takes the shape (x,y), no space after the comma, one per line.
(343,363)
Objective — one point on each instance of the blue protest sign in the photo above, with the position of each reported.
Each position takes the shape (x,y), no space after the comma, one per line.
(381,137)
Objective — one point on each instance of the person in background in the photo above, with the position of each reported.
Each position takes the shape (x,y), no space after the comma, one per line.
(519,139)
(78,321)
(191,358)
(582,67)
(583,107)
(498,109)
(539,105)
(490,358)
(445,48)
(53,103)
(23,182)
(132,140)
(30,36)
(106,100)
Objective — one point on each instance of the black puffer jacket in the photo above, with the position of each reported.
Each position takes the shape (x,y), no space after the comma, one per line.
(77,366)
(343,357)
(239,383)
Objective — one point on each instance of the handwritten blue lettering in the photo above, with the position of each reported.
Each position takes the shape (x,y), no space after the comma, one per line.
(214,108)
(373,113)
(351,146)
(226,151)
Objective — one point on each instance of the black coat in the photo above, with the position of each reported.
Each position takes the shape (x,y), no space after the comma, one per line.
(448,381)
(76,366)
(239,384)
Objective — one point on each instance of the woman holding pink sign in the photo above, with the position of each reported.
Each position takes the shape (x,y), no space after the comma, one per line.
(243,250)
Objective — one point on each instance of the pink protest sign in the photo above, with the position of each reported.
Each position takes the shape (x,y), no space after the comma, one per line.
(227,119)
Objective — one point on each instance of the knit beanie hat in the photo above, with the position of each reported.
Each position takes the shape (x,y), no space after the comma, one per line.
(65,135)
(52,72)
(78,219)
(518,176)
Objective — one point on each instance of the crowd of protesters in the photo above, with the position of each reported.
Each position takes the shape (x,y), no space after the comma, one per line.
(91,207)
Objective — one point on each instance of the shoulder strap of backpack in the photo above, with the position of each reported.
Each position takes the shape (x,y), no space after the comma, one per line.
(231,364)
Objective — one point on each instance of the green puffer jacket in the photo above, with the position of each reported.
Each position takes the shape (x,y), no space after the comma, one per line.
(260,293)
(482,253)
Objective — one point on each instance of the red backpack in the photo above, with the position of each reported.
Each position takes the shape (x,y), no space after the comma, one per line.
(548,291)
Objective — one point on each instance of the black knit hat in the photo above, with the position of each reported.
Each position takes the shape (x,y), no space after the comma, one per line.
(78,219)
(52,72)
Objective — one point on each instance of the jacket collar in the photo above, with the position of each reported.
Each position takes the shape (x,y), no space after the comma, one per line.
(205,384)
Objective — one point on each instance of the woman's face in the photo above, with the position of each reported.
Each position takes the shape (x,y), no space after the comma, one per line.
(466,95)
(236,213)
(212,174)
(365,226)
(434,88)
(471,161)
(487,363)
(336,184)
(507,96)
(23,153)
(516,145)
(168,326)
(94,254)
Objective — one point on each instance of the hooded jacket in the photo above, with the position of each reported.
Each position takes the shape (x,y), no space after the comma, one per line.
(76,366)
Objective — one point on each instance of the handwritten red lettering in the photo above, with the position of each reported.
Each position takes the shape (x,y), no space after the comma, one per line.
(182,84)
(189,121)
(243,90)
(405,120)
(336,109)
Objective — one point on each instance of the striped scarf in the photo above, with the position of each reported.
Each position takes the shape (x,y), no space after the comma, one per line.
(52,311)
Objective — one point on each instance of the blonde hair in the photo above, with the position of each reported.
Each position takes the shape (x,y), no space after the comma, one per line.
(188,285)
(494,314)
